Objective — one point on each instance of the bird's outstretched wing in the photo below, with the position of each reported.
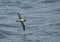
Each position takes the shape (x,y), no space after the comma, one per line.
(19,16)
(23,25)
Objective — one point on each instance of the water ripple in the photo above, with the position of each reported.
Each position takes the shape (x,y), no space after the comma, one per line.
(27,7)
(10,2)
(58,9)
(7,25)
(2,35)
(49,1)
(5,32)
(55,24)
(3,17)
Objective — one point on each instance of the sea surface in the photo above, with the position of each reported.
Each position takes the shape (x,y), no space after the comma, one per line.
(42,20)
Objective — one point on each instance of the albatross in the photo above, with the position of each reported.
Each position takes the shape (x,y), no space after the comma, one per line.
(20,19)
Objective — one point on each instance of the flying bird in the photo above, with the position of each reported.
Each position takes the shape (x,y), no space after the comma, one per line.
(20,19)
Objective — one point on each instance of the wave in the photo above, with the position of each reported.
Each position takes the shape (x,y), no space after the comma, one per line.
(2,35)
(10,2)
(55,24)
(58,9)
(26,7)
(7,25)
(6,32)
(53,33)
(50,1)
(3,17)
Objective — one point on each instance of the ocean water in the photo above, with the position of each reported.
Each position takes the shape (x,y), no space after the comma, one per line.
(42,20)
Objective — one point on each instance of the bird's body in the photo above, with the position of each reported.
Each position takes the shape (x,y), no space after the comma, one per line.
(21,20)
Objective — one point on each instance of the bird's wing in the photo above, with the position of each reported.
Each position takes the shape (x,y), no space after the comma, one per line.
(23,25)
(19,16)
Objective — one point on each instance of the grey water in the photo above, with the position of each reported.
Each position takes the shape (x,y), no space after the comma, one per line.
(42,20)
